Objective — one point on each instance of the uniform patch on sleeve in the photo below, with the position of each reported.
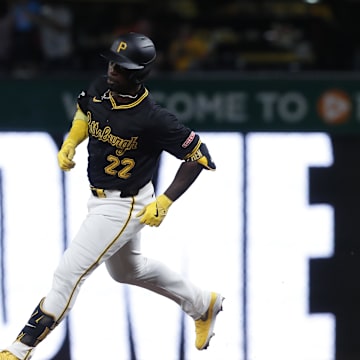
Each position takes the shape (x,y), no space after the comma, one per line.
(189,140)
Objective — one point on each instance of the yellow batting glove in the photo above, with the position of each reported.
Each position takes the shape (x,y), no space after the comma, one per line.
(154,213)
(66,155)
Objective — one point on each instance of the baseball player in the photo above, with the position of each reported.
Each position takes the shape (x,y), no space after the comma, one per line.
(127,132)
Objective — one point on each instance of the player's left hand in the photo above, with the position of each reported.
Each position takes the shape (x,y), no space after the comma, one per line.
(154,213)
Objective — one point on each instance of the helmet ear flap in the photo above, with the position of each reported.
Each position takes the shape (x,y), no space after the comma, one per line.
(138,76)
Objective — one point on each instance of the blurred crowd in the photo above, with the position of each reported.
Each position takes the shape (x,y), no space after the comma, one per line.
(44,37)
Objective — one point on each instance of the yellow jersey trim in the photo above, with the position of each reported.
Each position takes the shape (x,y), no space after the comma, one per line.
(196,148)
(131,105)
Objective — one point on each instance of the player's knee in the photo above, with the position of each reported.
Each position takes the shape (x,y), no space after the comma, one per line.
(127,270)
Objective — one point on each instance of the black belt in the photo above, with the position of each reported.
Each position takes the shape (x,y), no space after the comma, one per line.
(101,193)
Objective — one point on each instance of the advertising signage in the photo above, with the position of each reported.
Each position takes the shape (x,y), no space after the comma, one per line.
(215,103)
(249,233)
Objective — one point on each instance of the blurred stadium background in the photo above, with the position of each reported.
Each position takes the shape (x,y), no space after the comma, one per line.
(273,86)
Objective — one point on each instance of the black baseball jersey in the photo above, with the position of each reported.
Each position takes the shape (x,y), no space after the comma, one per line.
(126,140)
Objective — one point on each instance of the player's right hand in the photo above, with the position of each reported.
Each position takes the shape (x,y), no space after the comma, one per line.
(66,155)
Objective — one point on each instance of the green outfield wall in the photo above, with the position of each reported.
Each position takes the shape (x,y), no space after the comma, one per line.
(329,103)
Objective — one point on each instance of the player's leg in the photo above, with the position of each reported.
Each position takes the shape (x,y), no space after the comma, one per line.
(108,226)
(129,266)
(98,238)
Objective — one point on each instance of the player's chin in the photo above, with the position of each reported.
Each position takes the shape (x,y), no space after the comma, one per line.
(110,81)
(114,85)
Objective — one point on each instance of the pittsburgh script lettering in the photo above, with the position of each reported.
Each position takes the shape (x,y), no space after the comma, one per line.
(106,135)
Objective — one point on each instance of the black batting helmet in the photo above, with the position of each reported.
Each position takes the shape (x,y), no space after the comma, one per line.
(134,52)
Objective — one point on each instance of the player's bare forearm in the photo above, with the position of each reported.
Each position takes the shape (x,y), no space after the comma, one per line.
(185,176)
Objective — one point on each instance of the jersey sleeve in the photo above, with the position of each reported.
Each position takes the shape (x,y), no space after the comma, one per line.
(82,101)
(96,89)
(173,136)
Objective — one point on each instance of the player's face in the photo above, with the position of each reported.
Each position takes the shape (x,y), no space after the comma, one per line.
(117,78)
